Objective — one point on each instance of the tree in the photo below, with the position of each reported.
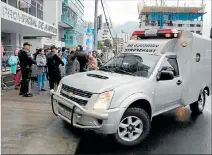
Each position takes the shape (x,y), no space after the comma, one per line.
(107,43)
(100,44)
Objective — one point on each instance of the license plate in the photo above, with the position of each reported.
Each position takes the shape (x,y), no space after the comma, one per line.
(64,112)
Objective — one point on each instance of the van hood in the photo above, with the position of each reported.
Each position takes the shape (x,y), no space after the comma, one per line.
(98,81)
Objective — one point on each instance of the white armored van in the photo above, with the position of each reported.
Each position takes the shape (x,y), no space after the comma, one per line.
(158,71)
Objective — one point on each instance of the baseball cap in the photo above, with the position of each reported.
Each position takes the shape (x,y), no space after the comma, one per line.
(26,43)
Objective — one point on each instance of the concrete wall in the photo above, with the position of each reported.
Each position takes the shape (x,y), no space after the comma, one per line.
(36,43)
(52,14)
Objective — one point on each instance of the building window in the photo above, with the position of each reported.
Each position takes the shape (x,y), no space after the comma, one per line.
(40,4)
(198,32)
(32,8)
(191,25)
(13,3)
(5,1)
(24,6)
(40,14)
(198,25)
(180,25)
(40,9)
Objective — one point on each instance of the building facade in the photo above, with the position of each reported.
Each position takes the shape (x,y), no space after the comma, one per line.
(179,18)
(71,22)
(23,20)
(118,44)
(105,33)
(125,36)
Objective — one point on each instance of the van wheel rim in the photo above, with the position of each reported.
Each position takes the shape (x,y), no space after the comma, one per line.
(201,102)
(130,128)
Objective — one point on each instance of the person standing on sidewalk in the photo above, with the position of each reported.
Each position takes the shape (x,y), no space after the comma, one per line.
(53,63)
(82,57)
(92,62)
(26,62)
(62,68)
(64,52)
(72,65)
(41,69)
(15,68)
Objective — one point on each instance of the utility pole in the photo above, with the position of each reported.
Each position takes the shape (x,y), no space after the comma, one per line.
(95,24)
(116,44)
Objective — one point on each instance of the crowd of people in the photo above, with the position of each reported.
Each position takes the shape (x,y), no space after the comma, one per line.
(52,64)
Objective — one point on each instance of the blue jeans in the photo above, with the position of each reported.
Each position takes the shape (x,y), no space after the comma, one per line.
(41,81)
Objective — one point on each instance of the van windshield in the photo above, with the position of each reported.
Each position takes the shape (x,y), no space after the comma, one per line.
(132,64)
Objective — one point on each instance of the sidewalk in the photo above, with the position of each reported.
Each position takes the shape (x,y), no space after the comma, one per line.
(38,97)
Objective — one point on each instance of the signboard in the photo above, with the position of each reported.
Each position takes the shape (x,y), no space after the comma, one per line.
(99,22)
(143,48)
(15,15)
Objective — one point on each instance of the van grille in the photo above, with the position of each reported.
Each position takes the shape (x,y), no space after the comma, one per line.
(78,94)
(75,91)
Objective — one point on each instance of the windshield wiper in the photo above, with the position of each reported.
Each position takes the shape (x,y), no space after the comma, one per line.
(123,71)
(106,69)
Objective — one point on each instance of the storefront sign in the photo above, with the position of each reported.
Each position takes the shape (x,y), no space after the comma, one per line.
(13,14)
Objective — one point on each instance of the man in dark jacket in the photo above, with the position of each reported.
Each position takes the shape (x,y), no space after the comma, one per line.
(82,57)
(26,62)
(53,63)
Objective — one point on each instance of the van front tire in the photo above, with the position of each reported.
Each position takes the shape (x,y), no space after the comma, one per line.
(198,106)
(133,128)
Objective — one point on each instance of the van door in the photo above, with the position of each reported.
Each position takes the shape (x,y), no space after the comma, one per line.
(168,92)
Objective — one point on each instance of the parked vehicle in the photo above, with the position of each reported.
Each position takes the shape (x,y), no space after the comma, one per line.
(158,71)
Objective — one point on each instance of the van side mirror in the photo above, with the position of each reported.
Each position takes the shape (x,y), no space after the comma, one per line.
(211,33)
(165,75)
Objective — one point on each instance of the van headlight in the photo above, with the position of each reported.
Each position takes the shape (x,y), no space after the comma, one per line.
(59,87)
(103,101)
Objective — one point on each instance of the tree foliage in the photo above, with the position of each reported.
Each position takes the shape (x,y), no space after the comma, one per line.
(107,43)
(100,44)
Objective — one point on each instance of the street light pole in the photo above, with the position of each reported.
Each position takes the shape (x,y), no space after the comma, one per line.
(95,24)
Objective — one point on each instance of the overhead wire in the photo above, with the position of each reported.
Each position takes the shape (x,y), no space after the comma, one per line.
(106,19)
(106,6)
(108,12)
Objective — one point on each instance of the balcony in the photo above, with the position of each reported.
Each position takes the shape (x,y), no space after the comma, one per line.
(67,21)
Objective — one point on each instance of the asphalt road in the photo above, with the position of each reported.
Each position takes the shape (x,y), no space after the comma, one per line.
(175,132)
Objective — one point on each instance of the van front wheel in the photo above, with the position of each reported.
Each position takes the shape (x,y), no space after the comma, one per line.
(133,128)
(198,106)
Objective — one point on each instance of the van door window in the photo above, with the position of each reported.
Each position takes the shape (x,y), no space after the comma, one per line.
(174,64)
(171,62)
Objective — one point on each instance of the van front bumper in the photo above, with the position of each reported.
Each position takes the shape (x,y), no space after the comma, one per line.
(82,118)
